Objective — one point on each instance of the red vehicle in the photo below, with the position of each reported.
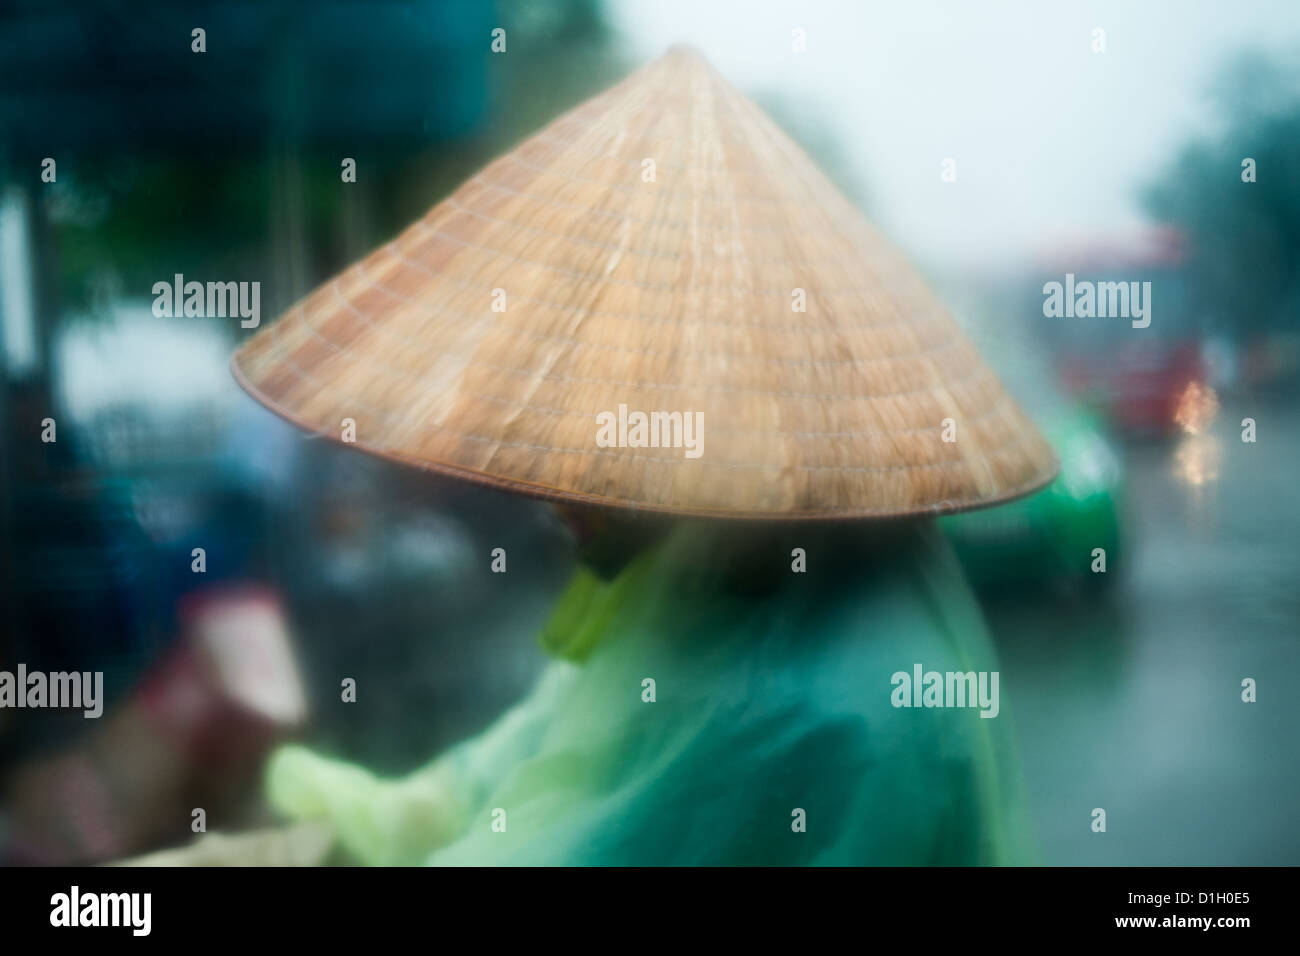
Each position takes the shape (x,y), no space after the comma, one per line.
(1136,377)
(1139,385)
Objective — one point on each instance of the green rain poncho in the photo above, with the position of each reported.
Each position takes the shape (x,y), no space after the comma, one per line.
(767,736)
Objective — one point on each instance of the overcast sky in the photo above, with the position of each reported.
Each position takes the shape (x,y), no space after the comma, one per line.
(1051,141)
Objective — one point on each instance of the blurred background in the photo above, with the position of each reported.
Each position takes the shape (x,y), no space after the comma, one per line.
(1122,163)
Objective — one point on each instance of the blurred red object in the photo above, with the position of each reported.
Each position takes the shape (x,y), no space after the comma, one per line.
(191,735)
(1138,386)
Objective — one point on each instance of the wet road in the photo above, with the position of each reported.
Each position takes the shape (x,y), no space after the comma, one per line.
(1132,702)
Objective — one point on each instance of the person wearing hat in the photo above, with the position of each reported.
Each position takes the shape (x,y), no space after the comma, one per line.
(658,313)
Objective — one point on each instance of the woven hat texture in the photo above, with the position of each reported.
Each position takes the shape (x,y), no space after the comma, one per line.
(659,267)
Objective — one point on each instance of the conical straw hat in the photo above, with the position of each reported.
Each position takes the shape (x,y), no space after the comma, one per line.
(649,252)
